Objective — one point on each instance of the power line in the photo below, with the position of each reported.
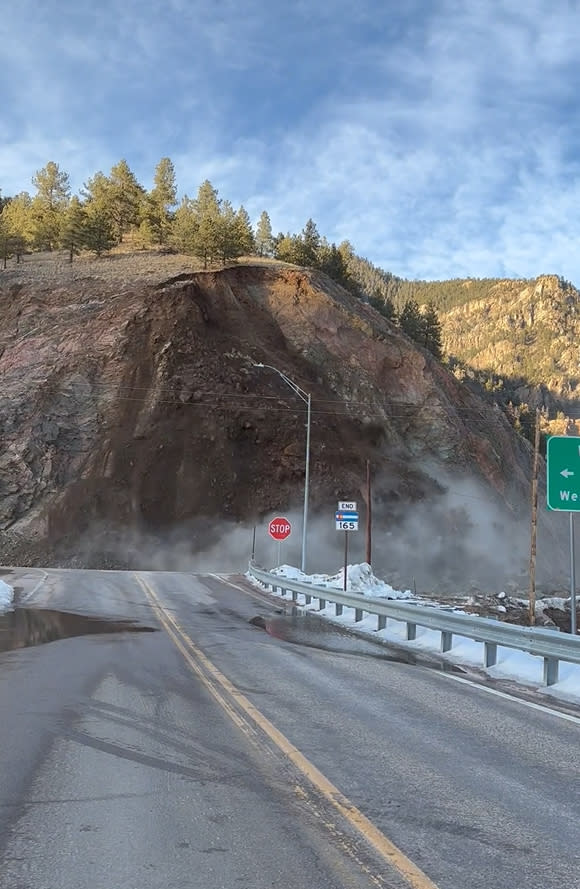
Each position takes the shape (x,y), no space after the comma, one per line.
(418,410)
(202,398)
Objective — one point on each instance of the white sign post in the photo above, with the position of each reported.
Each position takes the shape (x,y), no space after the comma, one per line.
(346,518)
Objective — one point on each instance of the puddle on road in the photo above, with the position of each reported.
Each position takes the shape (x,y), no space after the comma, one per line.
(311,631)
(24,627)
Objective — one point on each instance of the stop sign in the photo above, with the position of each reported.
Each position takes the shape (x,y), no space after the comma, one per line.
(279,528)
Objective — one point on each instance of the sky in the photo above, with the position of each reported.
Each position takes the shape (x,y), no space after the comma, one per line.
(440,137)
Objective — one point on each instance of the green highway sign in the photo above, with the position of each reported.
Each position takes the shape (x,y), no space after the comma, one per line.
(563,473)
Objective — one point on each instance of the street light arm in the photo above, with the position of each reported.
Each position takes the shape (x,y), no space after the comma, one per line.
(294,386)
(307,399)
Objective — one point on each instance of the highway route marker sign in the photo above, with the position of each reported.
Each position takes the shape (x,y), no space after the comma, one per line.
(346,518)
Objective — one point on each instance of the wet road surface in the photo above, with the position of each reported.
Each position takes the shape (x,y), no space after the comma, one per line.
(126,762)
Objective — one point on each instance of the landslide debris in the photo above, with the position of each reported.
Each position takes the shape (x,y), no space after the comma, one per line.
(130,406)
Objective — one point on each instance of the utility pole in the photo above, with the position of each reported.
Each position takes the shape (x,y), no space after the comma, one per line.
(306,480)
(369,515)
(532,597)
(572,429)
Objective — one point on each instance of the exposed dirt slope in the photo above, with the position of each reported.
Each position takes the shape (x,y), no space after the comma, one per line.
(136,406)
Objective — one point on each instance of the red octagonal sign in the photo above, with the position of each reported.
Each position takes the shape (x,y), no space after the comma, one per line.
(279,528)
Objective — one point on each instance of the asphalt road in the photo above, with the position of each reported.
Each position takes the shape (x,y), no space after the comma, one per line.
(213,754)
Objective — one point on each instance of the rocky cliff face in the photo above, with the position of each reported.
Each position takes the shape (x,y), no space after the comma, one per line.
(135,408)
(521,329)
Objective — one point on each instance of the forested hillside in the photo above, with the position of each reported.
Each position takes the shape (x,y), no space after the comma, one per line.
(115,209)
(511,340)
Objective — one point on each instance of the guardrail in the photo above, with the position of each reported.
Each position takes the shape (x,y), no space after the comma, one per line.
(549,644)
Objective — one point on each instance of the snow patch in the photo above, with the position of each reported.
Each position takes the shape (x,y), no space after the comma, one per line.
(359,579)
(6,596)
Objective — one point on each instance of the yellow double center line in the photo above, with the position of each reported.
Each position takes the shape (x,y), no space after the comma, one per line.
(234,703)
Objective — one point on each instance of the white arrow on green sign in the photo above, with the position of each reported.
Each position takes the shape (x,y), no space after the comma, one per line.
(563,473)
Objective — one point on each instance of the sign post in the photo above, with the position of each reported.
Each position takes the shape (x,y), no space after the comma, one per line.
(563,495)
(572,578)
(346,518)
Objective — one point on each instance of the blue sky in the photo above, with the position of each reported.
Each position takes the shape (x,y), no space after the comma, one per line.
(441,137)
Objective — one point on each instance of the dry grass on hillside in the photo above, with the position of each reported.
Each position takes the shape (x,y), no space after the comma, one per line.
(119,266)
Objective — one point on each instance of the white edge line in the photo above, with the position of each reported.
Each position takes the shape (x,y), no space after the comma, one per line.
(255,596)
(32,592)
(492,691)
(502,694)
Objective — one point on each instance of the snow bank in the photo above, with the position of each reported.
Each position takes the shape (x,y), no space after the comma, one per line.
(360,579)
(6,596)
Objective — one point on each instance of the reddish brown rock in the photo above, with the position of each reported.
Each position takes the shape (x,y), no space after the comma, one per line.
(136,406)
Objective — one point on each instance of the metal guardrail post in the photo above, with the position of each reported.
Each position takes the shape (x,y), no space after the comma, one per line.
(382,621)
(446,640)
(321,604)
(338,609)
(307,599)
(411,632)
(294,596)
(489,654)
(551,668)
(358,614)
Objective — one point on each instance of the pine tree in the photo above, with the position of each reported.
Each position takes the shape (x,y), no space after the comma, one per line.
(18,246)
(126,197)
(331,261)
(244,233)
(206,242)
(184,227)
(52,185)
(5,245)
(99,234)
(411,320)
(310,242)
(73,232)
(162,199)
(264,240)
(432,338)
(385,306)
(150,229)
(97,193)
(288,248)
(18,217)
(164,190)
(229,245)
(48,206)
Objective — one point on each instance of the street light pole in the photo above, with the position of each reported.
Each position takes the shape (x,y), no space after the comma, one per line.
(307,399)
(306,484)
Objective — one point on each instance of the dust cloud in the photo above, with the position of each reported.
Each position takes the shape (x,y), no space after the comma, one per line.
(459,540)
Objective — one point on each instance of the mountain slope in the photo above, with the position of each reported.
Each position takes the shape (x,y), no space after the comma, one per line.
(520,329)
(131,411)
(524,331)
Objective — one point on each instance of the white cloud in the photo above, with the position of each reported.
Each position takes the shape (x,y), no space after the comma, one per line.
(439,138)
